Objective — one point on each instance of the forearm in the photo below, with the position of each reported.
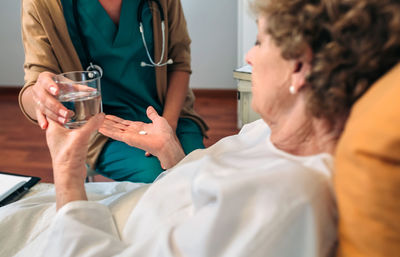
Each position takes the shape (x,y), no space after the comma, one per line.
(178,85)
(69,188)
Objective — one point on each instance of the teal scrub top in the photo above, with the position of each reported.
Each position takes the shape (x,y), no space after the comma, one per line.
(127,88)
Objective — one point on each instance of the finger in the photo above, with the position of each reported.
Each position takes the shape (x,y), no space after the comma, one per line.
(108,127)
(114,119)
(93,123)
(47,95)
(83,88)
(128,136)
(115,124)
(112,132)
(51,115)
(120,126)
(53,125)
(147,154)
(47,82)
(44,101)
(152,113)
(41,119)
(110,123)
(112,129)
(127,122)
(124,123)
(54,106)
(44,111)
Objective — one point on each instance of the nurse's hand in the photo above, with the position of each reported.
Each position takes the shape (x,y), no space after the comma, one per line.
(157,137)
(46,105)
(68,150)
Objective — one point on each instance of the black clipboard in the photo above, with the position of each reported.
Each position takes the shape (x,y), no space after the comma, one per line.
(20,191)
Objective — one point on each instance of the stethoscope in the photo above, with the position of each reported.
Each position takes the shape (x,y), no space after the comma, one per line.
(95,67)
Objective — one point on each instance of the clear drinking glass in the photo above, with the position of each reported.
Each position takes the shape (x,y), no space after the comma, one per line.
(79,91)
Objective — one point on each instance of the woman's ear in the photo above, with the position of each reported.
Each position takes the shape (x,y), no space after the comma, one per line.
(298,66)
(301,69)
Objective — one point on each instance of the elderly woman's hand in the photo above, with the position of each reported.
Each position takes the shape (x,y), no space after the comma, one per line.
(68,150)
(156,138)
(46,105)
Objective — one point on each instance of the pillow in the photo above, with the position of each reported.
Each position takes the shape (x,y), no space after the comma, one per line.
(367,176)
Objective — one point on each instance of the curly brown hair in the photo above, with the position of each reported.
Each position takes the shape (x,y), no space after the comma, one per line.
(354,42)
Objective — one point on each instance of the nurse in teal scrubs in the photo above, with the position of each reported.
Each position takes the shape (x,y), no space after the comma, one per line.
(115,43)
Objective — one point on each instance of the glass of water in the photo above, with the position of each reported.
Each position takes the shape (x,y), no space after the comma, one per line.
(79,91)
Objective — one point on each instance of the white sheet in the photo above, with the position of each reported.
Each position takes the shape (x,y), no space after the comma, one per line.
(241,197)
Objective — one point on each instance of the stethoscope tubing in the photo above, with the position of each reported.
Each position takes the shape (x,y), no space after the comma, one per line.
(90,62)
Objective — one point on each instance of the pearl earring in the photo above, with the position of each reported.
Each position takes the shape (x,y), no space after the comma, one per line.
(292,90)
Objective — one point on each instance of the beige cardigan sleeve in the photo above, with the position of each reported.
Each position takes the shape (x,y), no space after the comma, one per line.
(39,56)
(178,37)
(46,41)
(48,47)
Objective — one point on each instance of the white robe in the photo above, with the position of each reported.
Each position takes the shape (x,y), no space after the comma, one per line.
(240,197)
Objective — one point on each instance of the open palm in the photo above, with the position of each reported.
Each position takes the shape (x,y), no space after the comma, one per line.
(151,137)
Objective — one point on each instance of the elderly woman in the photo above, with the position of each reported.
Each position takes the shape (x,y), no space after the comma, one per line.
(264,192)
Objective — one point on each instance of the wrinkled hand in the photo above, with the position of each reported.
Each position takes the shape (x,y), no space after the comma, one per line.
(68,147)
(157,137)
(68,150)
(47,106)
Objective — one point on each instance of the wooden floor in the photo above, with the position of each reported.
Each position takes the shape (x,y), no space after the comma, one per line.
(23,148)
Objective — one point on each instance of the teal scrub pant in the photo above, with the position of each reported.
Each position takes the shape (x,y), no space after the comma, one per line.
(122,162)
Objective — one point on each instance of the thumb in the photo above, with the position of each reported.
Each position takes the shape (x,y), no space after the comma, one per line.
(93,123)
(152,113)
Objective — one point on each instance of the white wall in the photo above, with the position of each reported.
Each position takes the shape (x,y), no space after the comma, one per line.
(247,31)
(212,26)
(11,50)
